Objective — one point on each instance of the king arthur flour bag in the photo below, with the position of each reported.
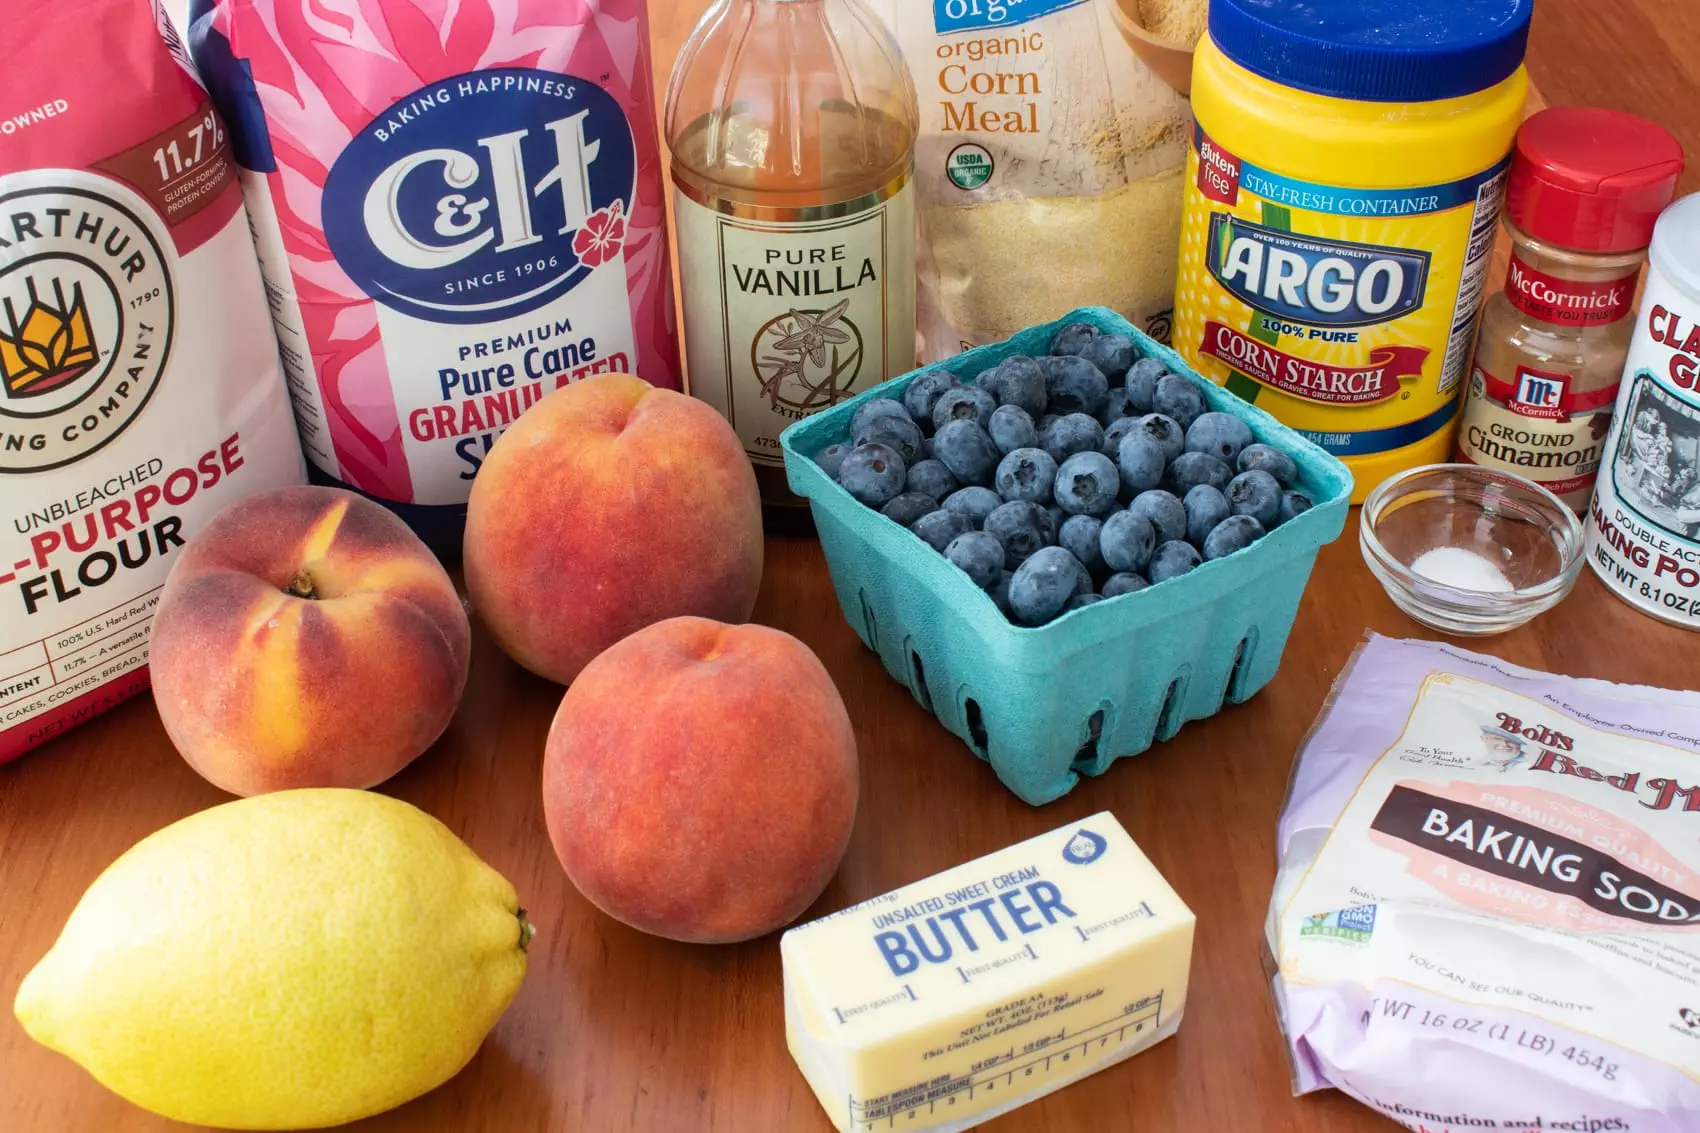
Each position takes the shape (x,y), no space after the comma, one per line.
(1487,914)
(139,381)
(458,208)
(1049,168)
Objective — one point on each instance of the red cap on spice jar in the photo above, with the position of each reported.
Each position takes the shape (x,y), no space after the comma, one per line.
(1591,179)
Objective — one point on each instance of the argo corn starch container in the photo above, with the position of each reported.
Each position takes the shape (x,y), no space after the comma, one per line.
(1347,172)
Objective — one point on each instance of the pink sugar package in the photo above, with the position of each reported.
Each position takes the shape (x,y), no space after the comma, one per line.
(458,209)
(1487,914)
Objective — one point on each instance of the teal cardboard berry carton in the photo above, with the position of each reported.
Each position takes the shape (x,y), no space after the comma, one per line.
(1046,705)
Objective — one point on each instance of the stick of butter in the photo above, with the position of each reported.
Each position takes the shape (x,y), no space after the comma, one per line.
(952,1000)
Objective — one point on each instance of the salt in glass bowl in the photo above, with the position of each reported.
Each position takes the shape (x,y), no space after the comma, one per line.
(1531,539)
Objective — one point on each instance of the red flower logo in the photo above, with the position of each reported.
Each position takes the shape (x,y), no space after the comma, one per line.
(602,236)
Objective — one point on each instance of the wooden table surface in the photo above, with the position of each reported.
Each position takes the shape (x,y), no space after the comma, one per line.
(614,1031)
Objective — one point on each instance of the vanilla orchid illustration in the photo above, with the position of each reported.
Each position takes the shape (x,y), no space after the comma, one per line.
(814,332)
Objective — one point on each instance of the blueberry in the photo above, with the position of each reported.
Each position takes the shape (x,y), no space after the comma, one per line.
(1079,537)
(1074,385)
(899,433)
(1043,585)
(1222,435)
(1021,383)
(1073,338)
(878,407)
(1051,526)
(975,504)
(938,528)
(1140,461)
(1262,458)
(1190,469)
(909,507)
(1116,408)
(999,591)
(1142,381)
(977,555)
(930,478)
(1165,514)
(1172,560)
(1112,354)
(1256,494)
(831,458)
(964,403)
(986,380)
(1166,431)
(1126,542)
(1205,508)
(1293,505)
(1120,428)
(1081,601)
(1235,533)
(1020,527)
(1179,397)
(1124,583)
(873,473)
(924,392)
(1087,484)
(967,451)
(1026,474)
(1066,436)
(1011,427)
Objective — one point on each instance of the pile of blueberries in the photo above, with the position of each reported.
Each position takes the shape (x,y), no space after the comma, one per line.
(1058,482)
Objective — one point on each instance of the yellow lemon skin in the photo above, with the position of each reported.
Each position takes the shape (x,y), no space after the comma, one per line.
(288,961)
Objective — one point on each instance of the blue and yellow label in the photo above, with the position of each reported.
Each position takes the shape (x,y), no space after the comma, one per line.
(1347,313)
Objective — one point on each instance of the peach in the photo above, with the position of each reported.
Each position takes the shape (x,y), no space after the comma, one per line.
(609,506)
(306,638)
(699,780)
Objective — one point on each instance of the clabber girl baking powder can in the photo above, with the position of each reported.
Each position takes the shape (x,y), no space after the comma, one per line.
(1643,531)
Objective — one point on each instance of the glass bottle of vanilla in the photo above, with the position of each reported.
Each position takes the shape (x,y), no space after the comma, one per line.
(792,127)
(1586,187)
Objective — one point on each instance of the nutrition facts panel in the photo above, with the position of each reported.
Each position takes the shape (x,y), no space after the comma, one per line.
(45,674)
(1007,1072)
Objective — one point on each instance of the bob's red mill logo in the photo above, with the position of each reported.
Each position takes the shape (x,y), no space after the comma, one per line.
(87,311)
(49,344)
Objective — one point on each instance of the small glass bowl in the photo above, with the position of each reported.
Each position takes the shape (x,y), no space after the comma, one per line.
(1524,532)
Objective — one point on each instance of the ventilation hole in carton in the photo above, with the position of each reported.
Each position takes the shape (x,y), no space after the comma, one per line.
(1169,719)
(869,624)
(1086,759)
(1237,676)
(918,681)
(976,724)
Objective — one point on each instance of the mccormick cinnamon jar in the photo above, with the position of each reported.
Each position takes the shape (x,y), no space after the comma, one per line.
(1587,185)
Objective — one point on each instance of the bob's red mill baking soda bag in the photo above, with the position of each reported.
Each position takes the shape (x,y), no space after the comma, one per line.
(1048,168)
(139,382)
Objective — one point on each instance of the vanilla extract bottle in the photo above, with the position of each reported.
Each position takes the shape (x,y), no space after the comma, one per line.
(792,128)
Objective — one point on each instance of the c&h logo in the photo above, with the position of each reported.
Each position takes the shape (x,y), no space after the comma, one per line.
(483,196)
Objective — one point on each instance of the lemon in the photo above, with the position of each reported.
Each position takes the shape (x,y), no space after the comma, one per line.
(288,961)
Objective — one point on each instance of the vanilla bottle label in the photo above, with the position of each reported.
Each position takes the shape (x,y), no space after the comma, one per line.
(790,311)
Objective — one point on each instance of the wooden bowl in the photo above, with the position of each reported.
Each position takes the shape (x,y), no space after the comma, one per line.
(1171,62)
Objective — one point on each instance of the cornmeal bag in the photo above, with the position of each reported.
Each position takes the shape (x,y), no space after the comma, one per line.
(139,382)
(1049,169)
(458,208)
(1487,914)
